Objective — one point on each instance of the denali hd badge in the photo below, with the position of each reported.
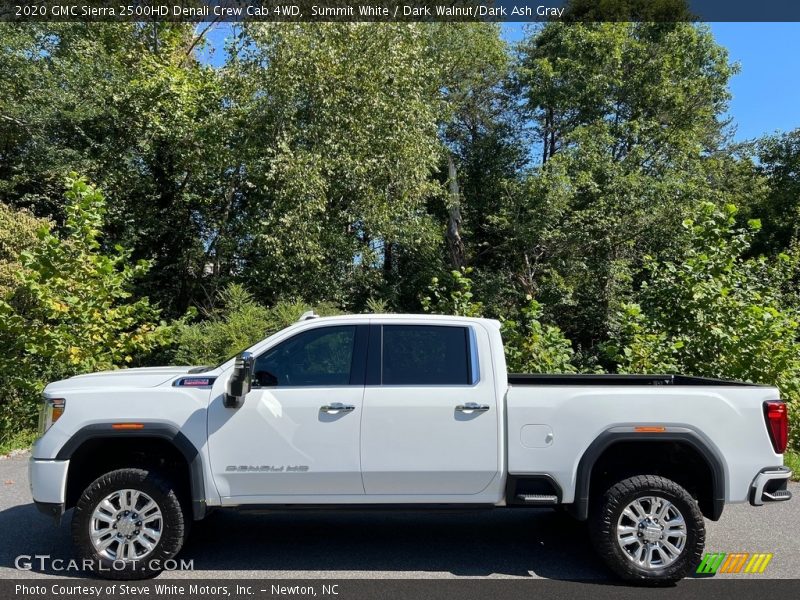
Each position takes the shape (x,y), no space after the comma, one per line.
(266,469)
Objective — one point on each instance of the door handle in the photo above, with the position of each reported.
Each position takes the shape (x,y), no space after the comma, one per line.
(472,406)
(336,407)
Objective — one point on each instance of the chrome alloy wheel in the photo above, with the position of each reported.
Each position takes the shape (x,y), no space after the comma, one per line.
(126,525)
(651,531)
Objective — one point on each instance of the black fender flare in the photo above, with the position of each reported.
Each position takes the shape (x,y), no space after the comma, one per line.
(602,442)
(164,431)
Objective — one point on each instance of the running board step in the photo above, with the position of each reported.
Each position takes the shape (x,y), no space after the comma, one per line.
(778,495)
(537,499)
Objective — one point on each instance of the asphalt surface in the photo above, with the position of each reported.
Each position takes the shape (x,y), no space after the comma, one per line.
(387,544)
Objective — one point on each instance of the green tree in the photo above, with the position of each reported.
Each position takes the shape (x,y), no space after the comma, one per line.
(129,106)
(483,135)
(779,209)
(313,163)
(344,140)
(657,88)
(71,311)
(628,117)
(477,130)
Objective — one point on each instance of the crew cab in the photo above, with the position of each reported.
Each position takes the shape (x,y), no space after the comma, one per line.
(402,411)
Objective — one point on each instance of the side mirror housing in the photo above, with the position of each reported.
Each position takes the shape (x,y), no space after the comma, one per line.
(240,382)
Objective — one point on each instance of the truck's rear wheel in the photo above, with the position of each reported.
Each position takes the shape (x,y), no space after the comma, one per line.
(650,529)
(127,523)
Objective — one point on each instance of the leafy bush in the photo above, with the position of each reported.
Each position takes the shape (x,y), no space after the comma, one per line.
(16,441)
(19,409)
(238,322)
(18,233)
(70,310)
(792,460)
(716,312)
(453,296)
(534,347)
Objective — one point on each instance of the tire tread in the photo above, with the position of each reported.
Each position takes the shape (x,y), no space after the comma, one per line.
(176,525)
(603,522)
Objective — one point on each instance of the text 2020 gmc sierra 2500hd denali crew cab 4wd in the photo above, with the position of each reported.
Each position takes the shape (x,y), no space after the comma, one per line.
(402,410)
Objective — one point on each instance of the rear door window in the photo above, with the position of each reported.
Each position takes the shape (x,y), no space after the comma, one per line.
(426,355)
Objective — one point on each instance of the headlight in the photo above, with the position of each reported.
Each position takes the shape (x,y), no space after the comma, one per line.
(51,411)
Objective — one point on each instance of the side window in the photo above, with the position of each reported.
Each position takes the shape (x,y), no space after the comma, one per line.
(317,357)
(426,355)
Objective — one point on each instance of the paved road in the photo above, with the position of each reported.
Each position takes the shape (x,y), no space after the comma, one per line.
(385,544)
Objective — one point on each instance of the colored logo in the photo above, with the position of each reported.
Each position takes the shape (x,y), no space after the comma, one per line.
(735,562)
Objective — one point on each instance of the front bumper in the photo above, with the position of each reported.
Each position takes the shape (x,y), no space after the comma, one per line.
(770,485)
(48,483)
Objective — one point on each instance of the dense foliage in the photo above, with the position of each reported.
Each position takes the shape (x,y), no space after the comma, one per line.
(580,187)
(18,233)
(71,310)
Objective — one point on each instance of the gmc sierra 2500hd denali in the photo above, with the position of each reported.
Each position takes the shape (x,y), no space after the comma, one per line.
(402,410)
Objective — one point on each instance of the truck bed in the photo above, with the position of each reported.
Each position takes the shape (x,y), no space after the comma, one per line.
(523,379)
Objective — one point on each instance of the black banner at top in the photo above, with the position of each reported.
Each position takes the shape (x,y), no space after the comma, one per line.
(22,11)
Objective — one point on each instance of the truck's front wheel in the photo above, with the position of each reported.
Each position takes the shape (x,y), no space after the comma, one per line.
(127,523)
(648,528)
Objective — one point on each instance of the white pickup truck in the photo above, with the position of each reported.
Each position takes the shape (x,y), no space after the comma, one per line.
(399,411)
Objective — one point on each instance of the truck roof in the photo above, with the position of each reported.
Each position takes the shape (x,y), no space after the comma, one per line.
(399,317)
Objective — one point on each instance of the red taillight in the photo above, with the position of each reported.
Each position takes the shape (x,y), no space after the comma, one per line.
(777,419)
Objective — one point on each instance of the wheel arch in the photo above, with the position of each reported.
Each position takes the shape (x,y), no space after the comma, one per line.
(168,435)
(682,436)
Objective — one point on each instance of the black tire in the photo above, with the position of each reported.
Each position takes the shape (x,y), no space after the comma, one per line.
(606,515)
(174,527)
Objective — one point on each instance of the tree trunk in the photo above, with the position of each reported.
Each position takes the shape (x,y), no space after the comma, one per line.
(388,261)
(454,241)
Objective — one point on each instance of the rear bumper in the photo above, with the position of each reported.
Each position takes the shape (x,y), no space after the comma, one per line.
(770,485)
(48,483)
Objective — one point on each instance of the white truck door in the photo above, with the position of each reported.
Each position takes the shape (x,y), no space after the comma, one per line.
(430,423)
(297,433)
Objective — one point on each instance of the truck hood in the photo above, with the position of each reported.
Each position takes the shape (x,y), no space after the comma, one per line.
(139,377)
